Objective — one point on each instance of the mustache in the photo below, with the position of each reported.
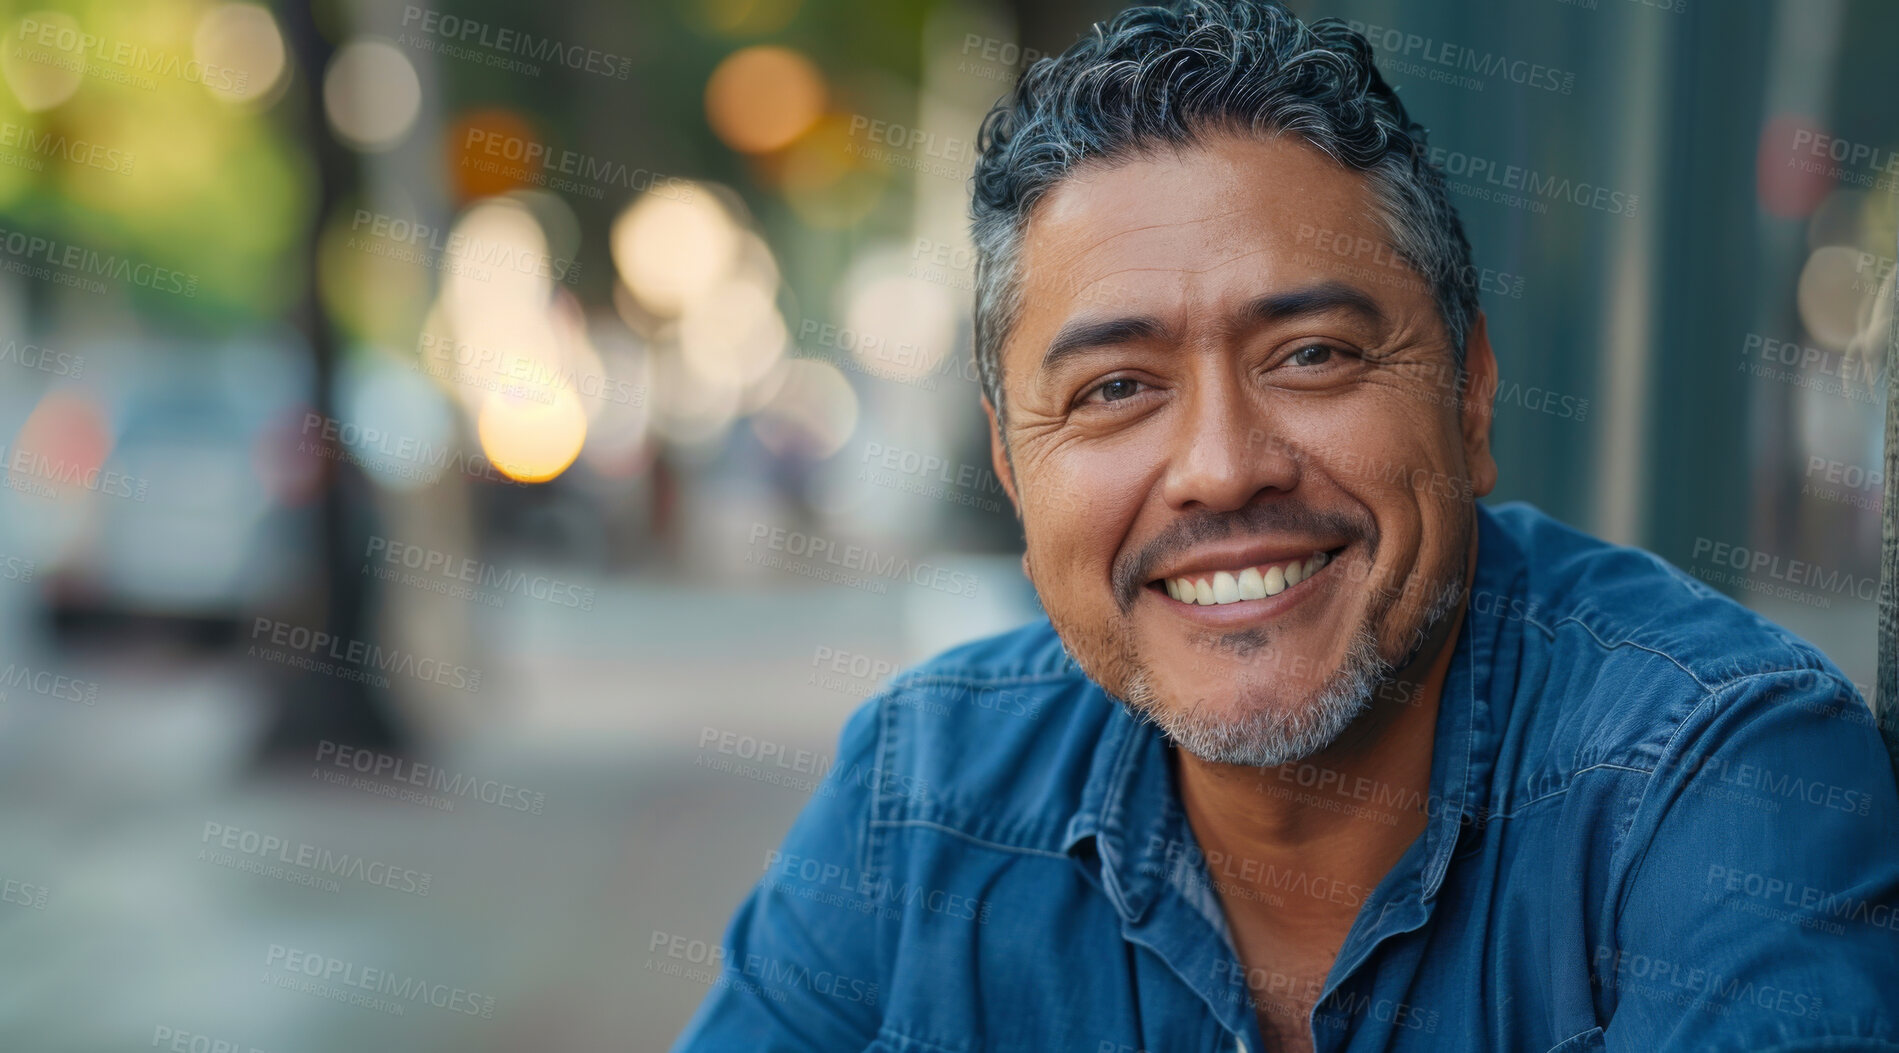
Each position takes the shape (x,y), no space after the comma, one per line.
(1134,569)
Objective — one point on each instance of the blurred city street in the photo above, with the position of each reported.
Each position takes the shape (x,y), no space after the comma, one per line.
(549,912)
(461,463)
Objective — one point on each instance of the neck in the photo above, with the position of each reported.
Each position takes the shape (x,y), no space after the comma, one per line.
(1336,821)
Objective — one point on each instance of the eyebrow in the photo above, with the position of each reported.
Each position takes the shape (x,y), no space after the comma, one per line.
(1317,299)
(1083,335)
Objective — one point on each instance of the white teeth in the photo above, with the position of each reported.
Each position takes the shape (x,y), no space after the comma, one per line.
(1252,584)
(1249,584)
(1225,589)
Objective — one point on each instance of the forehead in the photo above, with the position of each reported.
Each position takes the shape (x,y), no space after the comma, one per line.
(1229,216)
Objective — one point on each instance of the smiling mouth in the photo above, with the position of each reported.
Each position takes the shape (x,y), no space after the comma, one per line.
(1244,583)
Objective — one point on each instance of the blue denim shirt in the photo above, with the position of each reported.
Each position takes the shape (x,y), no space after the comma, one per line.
(1656,822)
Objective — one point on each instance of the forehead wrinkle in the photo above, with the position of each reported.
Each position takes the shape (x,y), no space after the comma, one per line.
(1083,250)
(1229,261)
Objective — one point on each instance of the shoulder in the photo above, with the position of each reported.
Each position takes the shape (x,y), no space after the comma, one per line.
(1627,597)
(994,740)
(1637,647)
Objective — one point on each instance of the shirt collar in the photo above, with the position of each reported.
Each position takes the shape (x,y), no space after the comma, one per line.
(1130,816)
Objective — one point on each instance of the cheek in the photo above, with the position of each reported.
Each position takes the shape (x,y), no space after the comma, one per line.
(1393,450)
(1076,510)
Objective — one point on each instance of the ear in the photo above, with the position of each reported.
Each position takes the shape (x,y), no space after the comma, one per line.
(999,457)
(1477,409)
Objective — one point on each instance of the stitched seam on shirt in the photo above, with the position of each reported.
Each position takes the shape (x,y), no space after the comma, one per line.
(1115,814)
(867,863)
(1635,865)
(1470,754)
(1619,643)
(1558,792)
(971,838)
(1705,686)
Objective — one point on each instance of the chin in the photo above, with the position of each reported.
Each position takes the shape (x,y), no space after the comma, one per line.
(1263,727)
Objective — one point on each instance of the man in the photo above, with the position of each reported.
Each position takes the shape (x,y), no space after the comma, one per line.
(1313,751)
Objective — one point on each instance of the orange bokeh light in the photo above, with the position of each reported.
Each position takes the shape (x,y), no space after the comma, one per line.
(760,99)
(478,145)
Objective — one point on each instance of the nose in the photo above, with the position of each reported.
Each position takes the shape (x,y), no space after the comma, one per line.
(1226,449)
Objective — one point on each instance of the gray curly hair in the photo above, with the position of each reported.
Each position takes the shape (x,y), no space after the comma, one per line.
(1165,75)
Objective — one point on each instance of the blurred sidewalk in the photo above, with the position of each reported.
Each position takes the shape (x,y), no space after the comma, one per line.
(105,808)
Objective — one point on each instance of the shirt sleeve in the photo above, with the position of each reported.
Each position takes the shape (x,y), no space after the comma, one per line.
(800,970)
(1760,907)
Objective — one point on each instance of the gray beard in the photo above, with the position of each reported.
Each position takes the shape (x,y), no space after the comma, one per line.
(1269,736)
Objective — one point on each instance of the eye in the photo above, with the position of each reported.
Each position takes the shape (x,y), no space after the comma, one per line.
(1116,390)
(1310,355)
(1312,364)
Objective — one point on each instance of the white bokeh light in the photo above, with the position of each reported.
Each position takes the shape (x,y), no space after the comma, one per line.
(371,95)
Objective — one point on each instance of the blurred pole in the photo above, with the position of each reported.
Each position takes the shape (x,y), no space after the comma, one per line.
(1886,691)
(310,708)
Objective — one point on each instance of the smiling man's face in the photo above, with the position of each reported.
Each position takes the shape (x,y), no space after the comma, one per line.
(1244,470)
